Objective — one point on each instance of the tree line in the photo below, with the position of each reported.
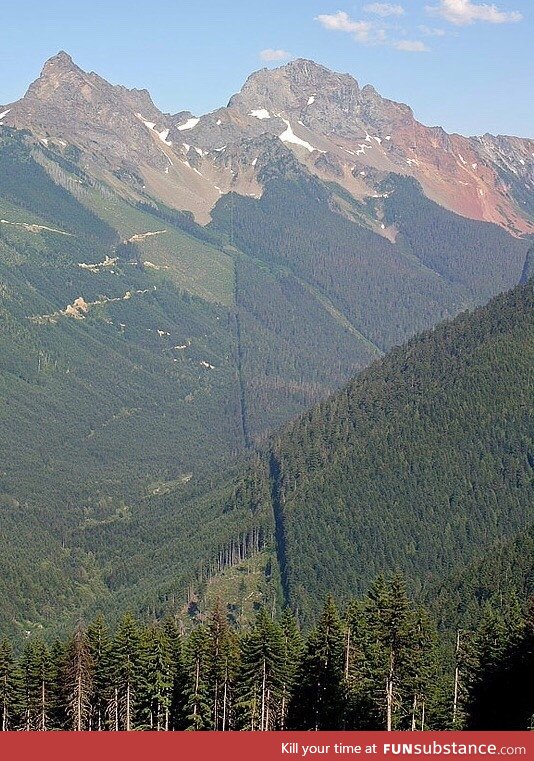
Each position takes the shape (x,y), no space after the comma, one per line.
(379,665)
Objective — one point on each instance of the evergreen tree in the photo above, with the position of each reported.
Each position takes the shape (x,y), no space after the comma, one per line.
(500,690)
(37,680)
(197,690)
(78,674)
(261,676)
(177,702)
(393,667)
(292,654)
(319,700)
(10,688)
(223,663)
(127,664)
(99,647)
(157,679)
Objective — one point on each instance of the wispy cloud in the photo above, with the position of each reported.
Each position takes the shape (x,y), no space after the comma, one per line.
(368,32)
(411,46)
(274,55)
(463,12)
(342,22)
(384,9)
(431,31)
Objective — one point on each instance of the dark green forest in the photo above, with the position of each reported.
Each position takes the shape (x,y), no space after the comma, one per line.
(378,664)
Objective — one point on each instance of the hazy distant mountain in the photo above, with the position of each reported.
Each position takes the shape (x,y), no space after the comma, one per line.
(339,131)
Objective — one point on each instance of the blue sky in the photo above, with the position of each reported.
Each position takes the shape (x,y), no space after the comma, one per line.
(466,65)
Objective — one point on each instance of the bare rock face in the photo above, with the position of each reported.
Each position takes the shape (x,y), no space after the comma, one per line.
(67,104)
(333,128)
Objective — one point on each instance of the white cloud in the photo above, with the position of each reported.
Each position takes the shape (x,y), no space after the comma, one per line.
(342,22)
(462,12)
(431,31)
(411,46)
(368,32)
(274,55)
(384,9)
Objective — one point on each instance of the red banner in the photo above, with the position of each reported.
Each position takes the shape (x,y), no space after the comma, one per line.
(261,746)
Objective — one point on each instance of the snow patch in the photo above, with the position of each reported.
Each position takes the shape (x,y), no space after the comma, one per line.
(186,146)
(163,135)
(289,137)
(260,113)
(474,166)
(255,161)
(199,151)
(311,100)
(4,113)
(218,122)
(189,124)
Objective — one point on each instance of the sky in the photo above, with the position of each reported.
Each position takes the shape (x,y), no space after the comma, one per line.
(465,65)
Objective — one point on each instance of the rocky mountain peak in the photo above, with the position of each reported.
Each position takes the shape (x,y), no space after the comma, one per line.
(61,60)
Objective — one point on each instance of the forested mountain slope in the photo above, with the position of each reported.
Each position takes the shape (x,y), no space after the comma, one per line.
(419,465)
(421,460)
(141,352)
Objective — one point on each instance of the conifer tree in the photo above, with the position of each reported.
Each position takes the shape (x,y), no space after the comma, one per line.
(261,676)
(127,663)
(78,674)
(319,699)
(177,703)
(223,663)
(99,647)
(292,654)
(197,692)
(10,688)
(37,676)
(157,678)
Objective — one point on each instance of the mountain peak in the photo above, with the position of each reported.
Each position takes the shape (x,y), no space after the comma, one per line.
(61,61)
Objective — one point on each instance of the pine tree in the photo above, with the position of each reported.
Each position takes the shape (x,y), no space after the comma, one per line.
(393,667)
(261,675)
(99,647)
(78,674)
(292,654)
(197,690)
(10,688)
(157,678)
(127,663)
(320,697)
(37,676)
(223,664)
(178,699)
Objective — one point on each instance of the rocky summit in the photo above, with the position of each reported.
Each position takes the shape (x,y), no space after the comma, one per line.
(336,129)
